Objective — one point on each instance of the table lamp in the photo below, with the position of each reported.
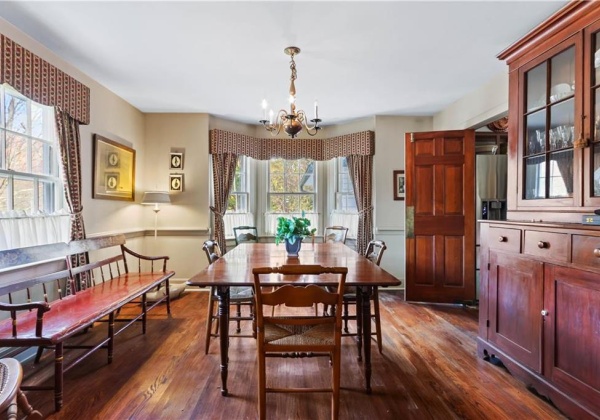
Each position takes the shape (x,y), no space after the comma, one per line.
(156,198)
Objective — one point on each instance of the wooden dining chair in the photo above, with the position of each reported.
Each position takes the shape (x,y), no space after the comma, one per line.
(335,234)
(294,335)
(245,234)
(11,397)
(374,252)
(238,296)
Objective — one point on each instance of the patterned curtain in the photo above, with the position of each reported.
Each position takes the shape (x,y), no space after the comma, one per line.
(223,166)
(67,129)
(360,169)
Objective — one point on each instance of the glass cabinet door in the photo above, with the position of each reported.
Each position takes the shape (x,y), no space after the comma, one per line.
(549,127)
(595,114)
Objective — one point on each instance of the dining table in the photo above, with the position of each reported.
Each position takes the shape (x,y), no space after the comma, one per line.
(235,269)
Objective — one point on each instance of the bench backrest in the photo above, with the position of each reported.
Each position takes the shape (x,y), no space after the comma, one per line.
(46,272)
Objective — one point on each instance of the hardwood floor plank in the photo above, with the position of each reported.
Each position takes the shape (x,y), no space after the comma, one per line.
(428,370)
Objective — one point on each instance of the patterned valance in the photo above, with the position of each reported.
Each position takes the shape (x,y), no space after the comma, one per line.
(362,143)
(41,82)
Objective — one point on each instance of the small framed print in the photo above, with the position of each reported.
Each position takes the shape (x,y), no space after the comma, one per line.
(399,185)
(176,182)
(176,161)
(111,181)
(112,160)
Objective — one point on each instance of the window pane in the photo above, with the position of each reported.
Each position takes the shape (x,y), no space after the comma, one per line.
(596,169)
(46,191)
(276,165)
(535,141)
(232,203)
(15,111)
(277,183)
(535,177)
(291,203)
(3,193)
(307,203)
(276,203)
(42,158)
(23,194)
(562,125)
(536,86)
(562,80)
(561,174)
(291,183)
(37,120)
(16,152)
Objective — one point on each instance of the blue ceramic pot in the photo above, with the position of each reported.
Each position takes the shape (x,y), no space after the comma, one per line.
(293,248)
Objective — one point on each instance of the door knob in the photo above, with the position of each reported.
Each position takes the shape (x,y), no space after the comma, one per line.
(545,312)
(543,244)
(502,239)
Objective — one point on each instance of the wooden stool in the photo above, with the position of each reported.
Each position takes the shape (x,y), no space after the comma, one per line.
(11,396)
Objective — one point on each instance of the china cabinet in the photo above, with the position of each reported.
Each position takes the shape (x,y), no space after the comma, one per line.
(540,270)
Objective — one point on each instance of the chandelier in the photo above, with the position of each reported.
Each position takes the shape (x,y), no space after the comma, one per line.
(293,121)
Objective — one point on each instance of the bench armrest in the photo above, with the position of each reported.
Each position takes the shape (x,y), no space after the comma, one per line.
(41,307)
(164,258)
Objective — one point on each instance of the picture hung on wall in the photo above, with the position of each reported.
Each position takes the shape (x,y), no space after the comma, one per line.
(176,182)
(113,177)
(176,161)
(399,186)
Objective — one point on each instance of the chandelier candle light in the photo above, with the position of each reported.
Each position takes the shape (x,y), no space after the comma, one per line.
(293,121)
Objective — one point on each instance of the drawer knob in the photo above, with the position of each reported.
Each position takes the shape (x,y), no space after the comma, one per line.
(543,244)
(597,252)
(504,239)
(545,312)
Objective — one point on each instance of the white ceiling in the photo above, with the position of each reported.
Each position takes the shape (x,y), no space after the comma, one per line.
(223,57)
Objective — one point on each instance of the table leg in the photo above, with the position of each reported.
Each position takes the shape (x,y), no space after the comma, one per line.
(366,332)
(359,321)
(223,297)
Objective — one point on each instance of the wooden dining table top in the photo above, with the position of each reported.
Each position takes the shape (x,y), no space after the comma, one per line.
(235,267)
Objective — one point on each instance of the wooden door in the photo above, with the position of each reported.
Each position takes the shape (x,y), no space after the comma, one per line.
(440,216)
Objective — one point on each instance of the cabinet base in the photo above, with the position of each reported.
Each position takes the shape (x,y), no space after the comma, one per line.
(563,402)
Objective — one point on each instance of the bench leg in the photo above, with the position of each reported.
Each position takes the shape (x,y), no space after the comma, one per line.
(168,297)
(111,336)
(58,376)
(144,312)
(39,353)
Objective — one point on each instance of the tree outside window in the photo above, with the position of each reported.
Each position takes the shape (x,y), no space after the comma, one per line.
(292,186)
(238,199)
(29,174)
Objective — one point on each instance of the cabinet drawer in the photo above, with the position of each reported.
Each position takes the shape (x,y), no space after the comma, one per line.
(548,245)
(583,250)
(505,239)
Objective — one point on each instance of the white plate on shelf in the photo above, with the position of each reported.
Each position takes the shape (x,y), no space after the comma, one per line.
(560,91)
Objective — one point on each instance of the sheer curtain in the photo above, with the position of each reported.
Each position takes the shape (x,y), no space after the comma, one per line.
(19,229)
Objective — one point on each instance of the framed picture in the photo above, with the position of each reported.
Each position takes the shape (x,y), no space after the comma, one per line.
(114,170)
(176,161)
(399,186)
(176,182)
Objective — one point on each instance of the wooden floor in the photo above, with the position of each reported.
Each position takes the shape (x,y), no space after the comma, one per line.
(428,370)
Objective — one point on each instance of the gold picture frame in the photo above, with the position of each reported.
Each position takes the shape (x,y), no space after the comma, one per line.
(114,170)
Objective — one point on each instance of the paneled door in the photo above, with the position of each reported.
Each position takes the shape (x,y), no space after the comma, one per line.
(440,216)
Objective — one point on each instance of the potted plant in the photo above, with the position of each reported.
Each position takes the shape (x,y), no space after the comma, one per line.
(292,231)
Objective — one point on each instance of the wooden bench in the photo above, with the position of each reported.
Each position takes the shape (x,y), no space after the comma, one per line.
(47,300)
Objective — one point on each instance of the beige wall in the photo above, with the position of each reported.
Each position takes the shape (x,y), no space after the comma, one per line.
(111,117)
(154,135)
(486,104)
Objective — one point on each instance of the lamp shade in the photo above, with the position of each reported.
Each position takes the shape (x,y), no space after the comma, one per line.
(156,197)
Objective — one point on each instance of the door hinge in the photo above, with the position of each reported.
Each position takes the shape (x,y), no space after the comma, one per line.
(412,137)
(487,323)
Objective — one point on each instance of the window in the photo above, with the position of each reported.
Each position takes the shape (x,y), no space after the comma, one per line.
(344,197)
(29,174)
(292,186)
(238,199)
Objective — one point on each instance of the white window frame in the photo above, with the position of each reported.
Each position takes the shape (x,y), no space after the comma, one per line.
(314,194)
(55,197)
(242,191)
(342,175)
